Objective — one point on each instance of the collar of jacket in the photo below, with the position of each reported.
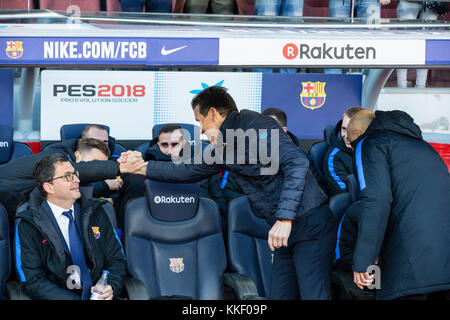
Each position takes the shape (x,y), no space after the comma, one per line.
(229,122)
(334,138)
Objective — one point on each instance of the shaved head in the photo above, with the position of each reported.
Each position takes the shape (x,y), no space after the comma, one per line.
(359,124)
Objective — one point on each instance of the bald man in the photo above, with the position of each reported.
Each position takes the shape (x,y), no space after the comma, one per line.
(404,209)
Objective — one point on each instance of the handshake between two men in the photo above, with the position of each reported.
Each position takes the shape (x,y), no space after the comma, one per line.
(132,162)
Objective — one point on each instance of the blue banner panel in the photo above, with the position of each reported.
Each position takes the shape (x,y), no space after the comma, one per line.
(104,51)
(437,52)
(6,94)
(311,101)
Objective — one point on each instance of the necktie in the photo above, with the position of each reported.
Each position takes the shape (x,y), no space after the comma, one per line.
(76,251)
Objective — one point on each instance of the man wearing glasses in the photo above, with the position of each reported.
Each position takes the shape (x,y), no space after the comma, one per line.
(64,241)
(16,177)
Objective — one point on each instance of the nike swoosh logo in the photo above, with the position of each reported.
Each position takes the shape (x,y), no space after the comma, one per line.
(165,52)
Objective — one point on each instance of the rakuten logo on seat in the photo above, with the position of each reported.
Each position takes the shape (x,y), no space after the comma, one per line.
(326,51)
(172,199)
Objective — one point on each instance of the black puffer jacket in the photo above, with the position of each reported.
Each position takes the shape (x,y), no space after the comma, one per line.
(42,262)
(404,216)
(16,177)
(338,162)
(289,193)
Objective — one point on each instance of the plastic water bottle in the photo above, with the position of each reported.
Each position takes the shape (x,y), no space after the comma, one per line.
(100,286)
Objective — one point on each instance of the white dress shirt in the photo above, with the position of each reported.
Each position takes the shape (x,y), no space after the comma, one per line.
(62,220)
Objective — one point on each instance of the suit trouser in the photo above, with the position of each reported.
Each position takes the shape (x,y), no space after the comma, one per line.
(303,269)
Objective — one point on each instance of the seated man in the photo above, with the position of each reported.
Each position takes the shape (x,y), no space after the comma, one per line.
(16,177)
(167,146)
(64,241)
(106,187)
(90,149)
(338,162)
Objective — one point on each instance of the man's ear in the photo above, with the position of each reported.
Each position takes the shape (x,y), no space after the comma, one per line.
(48,187)
(285,129)
(77,156)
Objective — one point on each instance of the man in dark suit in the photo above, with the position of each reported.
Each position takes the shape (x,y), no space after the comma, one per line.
(64,241)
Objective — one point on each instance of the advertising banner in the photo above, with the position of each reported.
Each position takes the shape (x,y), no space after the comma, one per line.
(311,101)
(6,94)
(132,102)
(112,50)
(312,52)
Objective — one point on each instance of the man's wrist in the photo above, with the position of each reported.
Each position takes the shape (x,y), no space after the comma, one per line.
(284,220)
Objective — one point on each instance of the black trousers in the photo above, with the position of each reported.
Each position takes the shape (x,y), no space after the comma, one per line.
(303,269)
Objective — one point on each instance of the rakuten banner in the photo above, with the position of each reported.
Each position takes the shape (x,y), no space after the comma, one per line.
(304,52)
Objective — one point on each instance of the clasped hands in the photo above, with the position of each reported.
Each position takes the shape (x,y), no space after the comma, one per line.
(132,162)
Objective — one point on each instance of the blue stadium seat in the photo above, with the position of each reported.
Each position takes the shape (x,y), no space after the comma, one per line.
(9,149)
(317,154)
(5,251)
(73,131)
(248,252)
(142,148)
(175,249)
(194,130)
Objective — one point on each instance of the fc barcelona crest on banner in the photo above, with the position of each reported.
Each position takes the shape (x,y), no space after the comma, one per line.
(176,265)
(14,49)
(313,94)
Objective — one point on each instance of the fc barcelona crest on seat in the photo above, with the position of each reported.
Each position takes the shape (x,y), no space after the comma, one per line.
(176,265)
(14,49)
(313,94)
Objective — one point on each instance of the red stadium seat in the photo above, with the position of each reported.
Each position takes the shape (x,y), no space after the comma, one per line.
(113,6)
(445,17)
(15,4)
(389,11)
(246,7)
(62,5)
(315,8)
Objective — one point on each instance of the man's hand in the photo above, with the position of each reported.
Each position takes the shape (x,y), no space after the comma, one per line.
(279,234)
(107,293)
(143,169)
(131,162)
(362,279)
(113,184)
(385,2)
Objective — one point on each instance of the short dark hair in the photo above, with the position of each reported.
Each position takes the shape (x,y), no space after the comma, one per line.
(87,144)
(277,113)
(88,127)
(350,112)
(44,170)
(168,128)
(216,97)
